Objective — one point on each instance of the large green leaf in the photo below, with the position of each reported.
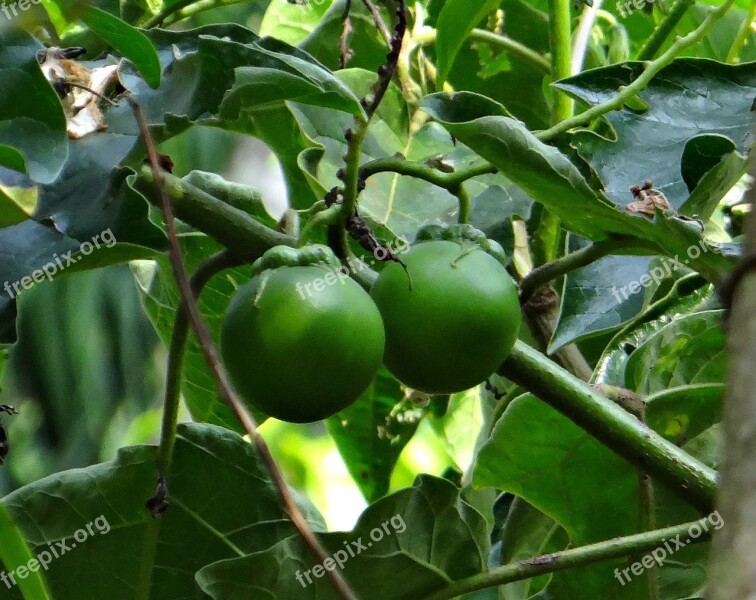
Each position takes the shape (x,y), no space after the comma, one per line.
(541,456)
(553,180)
(596,299)
(128,554)
(32,124)
(413,542)
(691,97)
(127,40)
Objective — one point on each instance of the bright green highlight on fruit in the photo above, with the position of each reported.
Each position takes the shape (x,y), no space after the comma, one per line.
(302,343)
(452,321)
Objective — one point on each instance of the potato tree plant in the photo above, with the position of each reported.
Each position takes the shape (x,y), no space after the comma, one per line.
(595,154)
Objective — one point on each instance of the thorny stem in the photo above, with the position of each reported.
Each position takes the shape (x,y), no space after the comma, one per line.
(356,135)
(620,431)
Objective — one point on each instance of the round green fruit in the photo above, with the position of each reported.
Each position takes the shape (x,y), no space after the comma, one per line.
(450,320)
(302,343)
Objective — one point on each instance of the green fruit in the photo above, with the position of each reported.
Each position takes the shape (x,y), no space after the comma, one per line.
(450,320)
(302,343)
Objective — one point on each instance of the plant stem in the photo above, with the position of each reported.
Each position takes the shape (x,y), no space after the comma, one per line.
(229,226)
(355,137)
(568,263)
(223,384)
(742,37)
(418,170)
(179,336)
(664,30)
(464,203)
(652,69)
(560,42)
(575,557)
(198,8)
(428,36)
(583,35)
(158,19)
(611,425)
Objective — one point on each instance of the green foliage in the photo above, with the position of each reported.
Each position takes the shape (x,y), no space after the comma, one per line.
(460,135)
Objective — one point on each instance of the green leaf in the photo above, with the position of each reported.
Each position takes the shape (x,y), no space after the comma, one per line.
(593,301)
(710,172)
(372,433)
(527,532)
(550,178)
(688,295)
(542,171)
(128,40)
(33,136)
(18,197)
(415,541)
(539,455)
(457,19)
(687,351)
(691,97)
(216,520)
(366,41)
(292,23)
(682,413)
(14,552)
(258,87)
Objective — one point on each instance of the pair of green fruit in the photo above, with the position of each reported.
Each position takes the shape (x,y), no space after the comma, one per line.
(302,341)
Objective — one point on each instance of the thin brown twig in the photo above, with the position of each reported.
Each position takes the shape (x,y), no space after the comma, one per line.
(379,22)
(345,52)
(227,394)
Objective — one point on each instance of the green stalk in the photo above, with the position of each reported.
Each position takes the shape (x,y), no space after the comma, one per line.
(620,431)
(418,170)
(506,43)
(560,42)
(576,557)
(664,30)
(571,262)
(204,273)
(246,237)
(742,36)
